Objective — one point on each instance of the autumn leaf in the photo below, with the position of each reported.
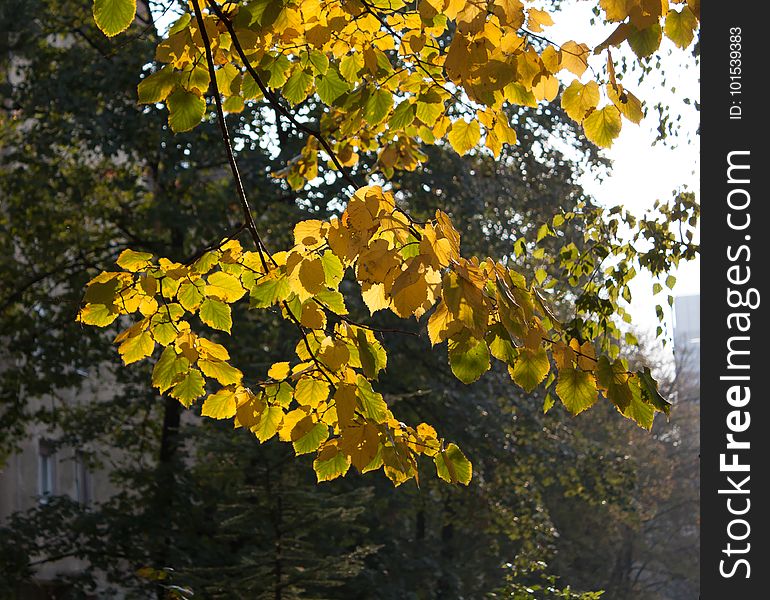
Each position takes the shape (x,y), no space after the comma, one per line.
(114,16)
(464,136)
(603,126)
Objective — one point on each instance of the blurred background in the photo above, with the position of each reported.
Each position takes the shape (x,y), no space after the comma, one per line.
(108,490)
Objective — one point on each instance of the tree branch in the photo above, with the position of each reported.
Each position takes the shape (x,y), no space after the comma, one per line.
(273,99)
(247,215)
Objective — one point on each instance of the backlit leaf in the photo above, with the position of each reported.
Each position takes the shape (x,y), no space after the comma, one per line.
(469,359)
(220,405)
(185,110)
(189,388)
(216,314)
(452,466)
(576,389)
(114,16)
(530,368)
(603,126)
(463,136)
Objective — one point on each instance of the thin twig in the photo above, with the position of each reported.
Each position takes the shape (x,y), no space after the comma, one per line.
(273,99)
(248,217)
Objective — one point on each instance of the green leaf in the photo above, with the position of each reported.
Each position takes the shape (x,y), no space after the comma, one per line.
(469,359)
(296,89)
(164,323)
(216,314)
(372,404)
(331,464)
(190,294)
(333,269)
(500,344)
(531,368)
(377,106)
(614,379)
(114,16)
(428,112)
(603,126)
(638,410)
(645,41)
(577,389)
(650,391)
(185,110)
(223,372)
(250,88)
(452,466)
(156,87)
(319,60)
(403,116)
(269,422)
(137,347)
(134,261)
(330,87)
(312,440)
(516,93)
(371,354)
(169,370)
(269,291)
(277,69)
(464,136)
(220,405)
(189,389)
(333,300)
(680,26)
(310,392)
(351,65)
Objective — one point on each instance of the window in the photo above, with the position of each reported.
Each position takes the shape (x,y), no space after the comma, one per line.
(82,480)
(46,468)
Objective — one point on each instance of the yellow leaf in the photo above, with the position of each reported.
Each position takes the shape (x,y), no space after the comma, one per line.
(137,347)
(99,315)
(546,88)
(312,316)
(574,57)
(330,462)
(279,371)
(290,420)
(374,297)
(310,233)
(629,105)
(680,26)
(312,276)
(310,392)
(616,10)
(224,286)
(603,126)
(220,405)
(216,314)
(463,136)
(223,372)
(134,261)
(269,423)
(578,99)
(537,19)
(212,350)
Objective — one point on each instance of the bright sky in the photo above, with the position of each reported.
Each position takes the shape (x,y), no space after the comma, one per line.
(643,173)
